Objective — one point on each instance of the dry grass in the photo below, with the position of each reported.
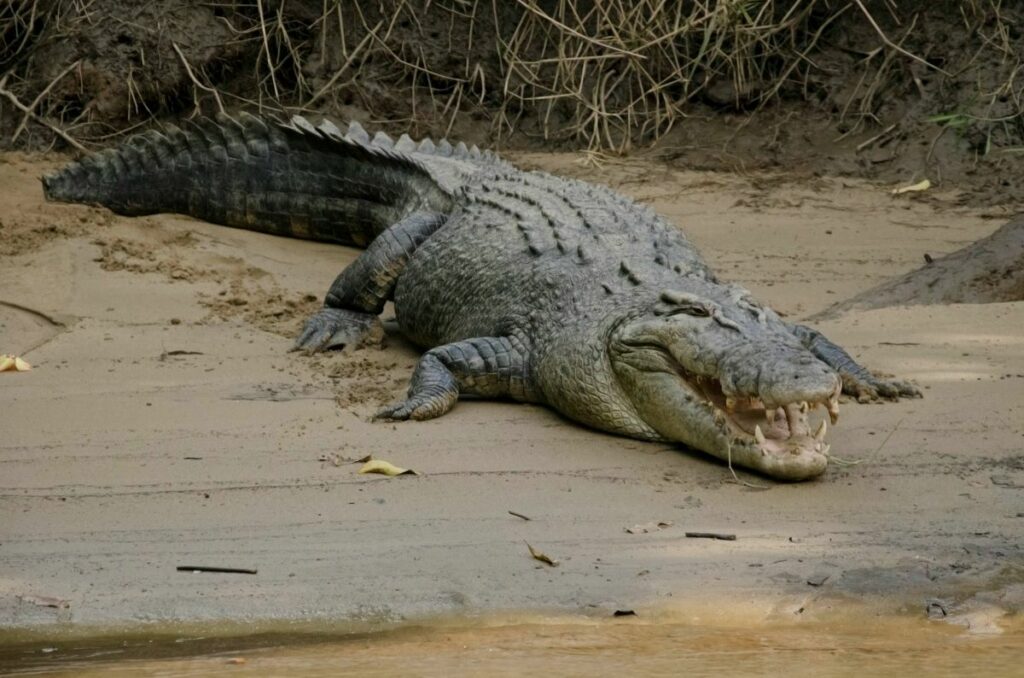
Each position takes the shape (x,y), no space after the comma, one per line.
(24,26)
(602,75)
(623,70)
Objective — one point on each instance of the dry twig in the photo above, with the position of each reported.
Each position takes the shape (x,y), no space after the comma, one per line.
(39,97)
(38,118)
(196,83)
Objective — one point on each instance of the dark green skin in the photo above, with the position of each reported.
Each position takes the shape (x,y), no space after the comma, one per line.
(520,285)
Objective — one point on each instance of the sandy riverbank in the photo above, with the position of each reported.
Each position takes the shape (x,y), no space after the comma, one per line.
(164,424)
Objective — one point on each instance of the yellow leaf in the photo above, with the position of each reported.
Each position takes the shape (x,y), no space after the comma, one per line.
(913,188)
(12,363)
(542,557)
(385,468)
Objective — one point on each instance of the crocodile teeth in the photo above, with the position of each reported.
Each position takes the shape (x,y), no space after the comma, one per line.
(825,450)
(759,435)
(833,409)
(803,407)
(730,404)
(819,435)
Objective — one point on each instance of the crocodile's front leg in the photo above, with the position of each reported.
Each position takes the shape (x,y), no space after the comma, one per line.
(357,296)
(857,380)
(491,367)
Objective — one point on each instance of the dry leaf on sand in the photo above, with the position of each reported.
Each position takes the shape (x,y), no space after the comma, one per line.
(386,468)
(542,557)
(913,188)
(12,363)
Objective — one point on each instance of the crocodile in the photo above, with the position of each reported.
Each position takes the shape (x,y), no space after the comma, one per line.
(518,285)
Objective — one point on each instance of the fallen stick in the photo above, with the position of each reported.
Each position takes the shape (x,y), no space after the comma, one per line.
(711,535)
(206,568)
(519,515)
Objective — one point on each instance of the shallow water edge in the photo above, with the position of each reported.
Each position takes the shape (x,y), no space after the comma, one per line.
(838,637)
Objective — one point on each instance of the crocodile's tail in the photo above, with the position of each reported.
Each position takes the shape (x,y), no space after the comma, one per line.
(292,179)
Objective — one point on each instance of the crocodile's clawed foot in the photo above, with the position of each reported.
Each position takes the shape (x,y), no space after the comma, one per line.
(423,403)
(395,412)
(335,327)
(875,388)
(415,408)
(433,392)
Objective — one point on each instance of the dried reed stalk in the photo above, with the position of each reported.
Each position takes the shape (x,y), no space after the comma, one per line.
(602,74)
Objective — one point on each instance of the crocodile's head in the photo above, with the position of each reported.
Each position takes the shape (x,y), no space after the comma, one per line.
(726,376)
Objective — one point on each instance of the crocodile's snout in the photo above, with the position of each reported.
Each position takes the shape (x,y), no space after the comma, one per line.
(777,377)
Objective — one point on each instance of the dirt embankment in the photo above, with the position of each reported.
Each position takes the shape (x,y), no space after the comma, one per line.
(165,424)
(890,91)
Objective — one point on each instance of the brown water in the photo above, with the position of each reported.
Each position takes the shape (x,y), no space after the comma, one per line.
(555,646)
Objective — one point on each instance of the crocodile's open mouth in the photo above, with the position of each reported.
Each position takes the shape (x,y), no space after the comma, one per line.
(776,428)
(773,430)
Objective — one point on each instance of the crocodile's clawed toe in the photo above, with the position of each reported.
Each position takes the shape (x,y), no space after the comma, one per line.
(334,328)
(413,409)
(313,337)
(894,389)
(878,388)
(395,412)
(419,407)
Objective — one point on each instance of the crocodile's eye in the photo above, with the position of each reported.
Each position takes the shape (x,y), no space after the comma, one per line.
(696,310)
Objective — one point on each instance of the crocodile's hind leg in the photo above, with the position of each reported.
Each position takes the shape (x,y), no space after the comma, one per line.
(857,380)
(357,296)
(490,367)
